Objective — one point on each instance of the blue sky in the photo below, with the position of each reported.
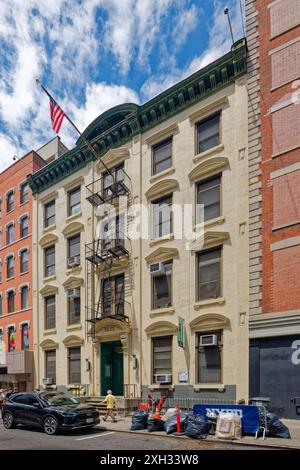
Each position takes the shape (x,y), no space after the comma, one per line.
(95,54)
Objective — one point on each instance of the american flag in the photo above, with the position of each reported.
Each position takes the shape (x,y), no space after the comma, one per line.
(57,115)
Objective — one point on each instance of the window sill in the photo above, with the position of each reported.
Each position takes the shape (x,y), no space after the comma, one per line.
(161,386)
(162,311)
(73,216)
(163,239)
(216,149)
(76,269)
(209,302)
(209,223)
(49,278)
(161,174)
(198,387)
(78,326)
(25,272)
(50,332)
(23,203)
(49,228)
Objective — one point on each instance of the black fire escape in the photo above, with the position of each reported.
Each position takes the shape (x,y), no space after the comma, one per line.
(106,299)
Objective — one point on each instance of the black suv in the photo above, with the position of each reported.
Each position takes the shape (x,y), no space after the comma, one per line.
(52,411)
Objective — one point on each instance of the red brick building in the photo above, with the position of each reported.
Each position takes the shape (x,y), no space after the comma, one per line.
(16,328)
(273,37)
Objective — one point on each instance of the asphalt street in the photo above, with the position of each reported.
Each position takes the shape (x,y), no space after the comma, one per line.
(23,438)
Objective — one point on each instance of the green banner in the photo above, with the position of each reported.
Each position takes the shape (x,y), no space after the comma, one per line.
(181,332)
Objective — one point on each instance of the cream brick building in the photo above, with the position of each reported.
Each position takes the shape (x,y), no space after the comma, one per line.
(107,313)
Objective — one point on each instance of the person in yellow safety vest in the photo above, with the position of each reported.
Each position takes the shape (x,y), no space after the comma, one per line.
(110,401)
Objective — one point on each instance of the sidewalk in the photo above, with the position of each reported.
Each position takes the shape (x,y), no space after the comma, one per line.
(123,425)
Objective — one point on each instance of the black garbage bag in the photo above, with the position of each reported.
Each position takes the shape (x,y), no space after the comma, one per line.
(139,420)
(276,428)
(170,425)
(155,424)
(196,427)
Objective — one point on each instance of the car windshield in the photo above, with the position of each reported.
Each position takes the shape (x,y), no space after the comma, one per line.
(57,399)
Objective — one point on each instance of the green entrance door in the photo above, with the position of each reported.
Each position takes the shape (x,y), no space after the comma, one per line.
(112,376)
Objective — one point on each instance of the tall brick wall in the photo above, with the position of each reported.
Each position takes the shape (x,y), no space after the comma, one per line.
(286,199)
(286,279)
(273,30)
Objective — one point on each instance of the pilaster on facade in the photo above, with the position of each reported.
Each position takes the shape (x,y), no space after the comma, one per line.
(254,153)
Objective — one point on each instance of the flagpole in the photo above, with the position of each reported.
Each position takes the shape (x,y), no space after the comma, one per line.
(89,145)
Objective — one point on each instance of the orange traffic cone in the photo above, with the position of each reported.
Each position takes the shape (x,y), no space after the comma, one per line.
(157,413)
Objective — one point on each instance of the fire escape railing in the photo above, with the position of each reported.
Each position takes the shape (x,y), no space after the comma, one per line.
(102,253)
(107,188)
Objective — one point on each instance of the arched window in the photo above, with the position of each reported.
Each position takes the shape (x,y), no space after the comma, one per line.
(11,332)
(25,336)
(24,297)
(24,226)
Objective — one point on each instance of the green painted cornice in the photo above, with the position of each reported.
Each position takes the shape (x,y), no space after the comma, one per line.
(118,125)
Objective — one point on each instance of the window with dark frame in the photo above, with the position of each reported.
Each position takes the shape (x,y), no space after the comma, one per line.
(50,365)
(209,196)
(116,176)
(208,133)
(10,234)
(10,265)
(74,310)
(11,301)
(74,201)
(24,226)
(162,288)
(113,293)
(49,213)
(162,217)
(74,360)
(162,355)
(24,193)
(209,274)
(1,308)
(25,337)
(162,156)
(11,333)
(74,246)
(24,297)
(49,261)
(10,201)
(210,360)
(24,256)
(49,303)
(112,229)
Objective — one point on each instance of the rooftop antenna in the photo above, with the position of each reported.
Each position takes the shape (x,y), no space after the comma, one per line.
(242,18)
(226,12)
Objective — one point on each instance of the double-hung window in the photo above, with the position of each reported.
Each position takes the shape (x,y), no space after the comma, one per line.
(209,274)
(162,217)
(161,156)
(208,133)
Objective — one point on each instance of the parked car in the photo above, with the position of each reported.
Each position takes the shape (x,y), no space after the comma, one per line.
(52,411)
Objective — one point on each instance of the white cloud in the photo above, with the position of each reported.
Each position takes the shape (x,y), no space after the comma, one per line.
(63,41)
(7,150)
(219,43)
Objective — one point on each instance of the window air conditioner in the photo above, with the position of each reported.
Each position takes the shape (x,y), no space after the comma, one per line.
(163,378)
(208,340)
(73,293)
(157,269)
(48,381)
(73,261)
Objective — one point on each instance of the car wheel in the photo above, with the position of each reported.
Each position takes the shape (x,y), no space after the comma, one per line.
(8,421)
(50,425)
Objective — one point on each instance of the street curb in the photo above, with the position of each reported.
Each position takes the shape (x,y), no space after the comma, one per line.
(225,441)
